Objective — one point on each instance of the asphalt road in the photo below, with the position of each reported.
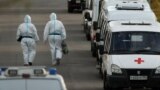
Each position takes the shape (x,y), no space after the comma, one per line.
(77,68)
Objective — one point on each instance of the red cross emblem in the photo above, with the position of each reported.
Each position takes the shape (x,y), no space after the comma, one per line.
(139,61)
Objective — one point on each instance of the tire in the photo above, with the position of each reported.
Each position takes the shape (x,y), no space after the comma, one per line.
(100,69)
(105,84)
(87,31)
(98,57)
(93,54)
(88,37)
(93,49)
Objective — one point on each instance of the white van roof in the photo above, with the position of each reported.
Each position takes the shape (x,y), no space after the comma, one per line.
(32,78)
(147,26)
(130,15)
(108,3)
(128,10)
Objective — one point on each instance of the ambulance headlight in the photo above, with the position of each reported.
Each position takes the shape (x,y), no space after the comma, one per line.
(157,70)
(116,69)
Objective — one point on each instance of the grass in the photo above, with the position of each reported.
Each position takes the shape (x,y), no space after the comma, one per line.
(155,5)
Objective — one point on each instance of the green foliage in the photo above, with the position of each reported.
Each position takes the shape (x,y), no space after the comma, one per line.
(155,5)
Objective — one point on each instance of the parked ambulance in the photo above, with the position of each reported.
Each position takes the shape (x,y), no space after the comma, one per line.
(30,78)
(131,55)
(119,12)
(113,8)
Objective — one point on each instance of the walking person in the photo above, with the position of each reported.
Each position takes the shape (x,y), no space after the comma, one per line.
(28,34)
(55,33)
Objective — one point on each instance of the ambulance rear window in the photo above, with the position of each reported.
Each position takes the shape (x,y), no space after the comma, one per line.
(30,84)
(12,84)
(44,85)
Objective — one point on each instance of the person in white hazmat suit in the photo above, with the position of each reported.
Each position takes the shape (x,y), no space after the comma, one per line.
(55,33)
(29,38)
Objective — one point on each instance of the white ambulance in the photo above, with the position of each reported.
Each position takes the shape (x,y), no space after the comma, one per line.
(30,78)
(131,56)
(120,12)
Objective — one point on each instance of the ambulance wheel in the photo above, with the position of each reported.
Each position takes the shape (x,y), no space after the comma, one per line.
(105,84)
(98,56)
(94,54)
(88,37)
(100,68)
(93,49)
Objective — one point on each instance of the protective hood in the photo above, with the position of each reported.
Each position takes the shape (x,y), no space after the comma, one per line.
(27,19)
(136,61)
(53,16)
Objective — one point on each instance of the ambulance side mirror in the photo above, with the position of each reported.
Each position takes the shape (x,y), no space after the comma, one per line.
(95,25)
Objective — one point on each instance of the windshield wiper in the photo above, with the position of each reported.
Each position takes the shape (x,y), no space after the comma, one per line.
(120,51)
(147,51)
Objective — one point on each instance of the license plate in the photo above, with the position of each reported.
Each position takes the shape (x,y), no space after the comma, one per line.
(138,77)
(78,1)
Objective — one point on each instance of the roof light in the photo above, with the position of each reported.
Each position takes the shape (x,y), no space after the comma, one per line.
(136,23)
(13,72)
(20,71)
(130,6)
(52,71)
(38,72)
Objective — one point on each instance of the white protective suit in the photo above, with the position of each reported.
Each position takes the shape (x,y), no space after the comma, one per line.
(55,32)
(28,42)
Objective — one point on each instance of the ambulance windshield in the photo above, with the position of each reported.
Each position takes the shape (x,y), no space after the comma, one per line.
(135,43)
(30,84)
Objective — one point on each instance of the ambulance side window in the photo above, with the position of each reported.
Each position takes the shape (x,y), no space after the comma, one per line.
(107,40)
(100,20)
(99,17)
(103,30)
(103,25)
(100,5)
(9,84)
(40,84)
